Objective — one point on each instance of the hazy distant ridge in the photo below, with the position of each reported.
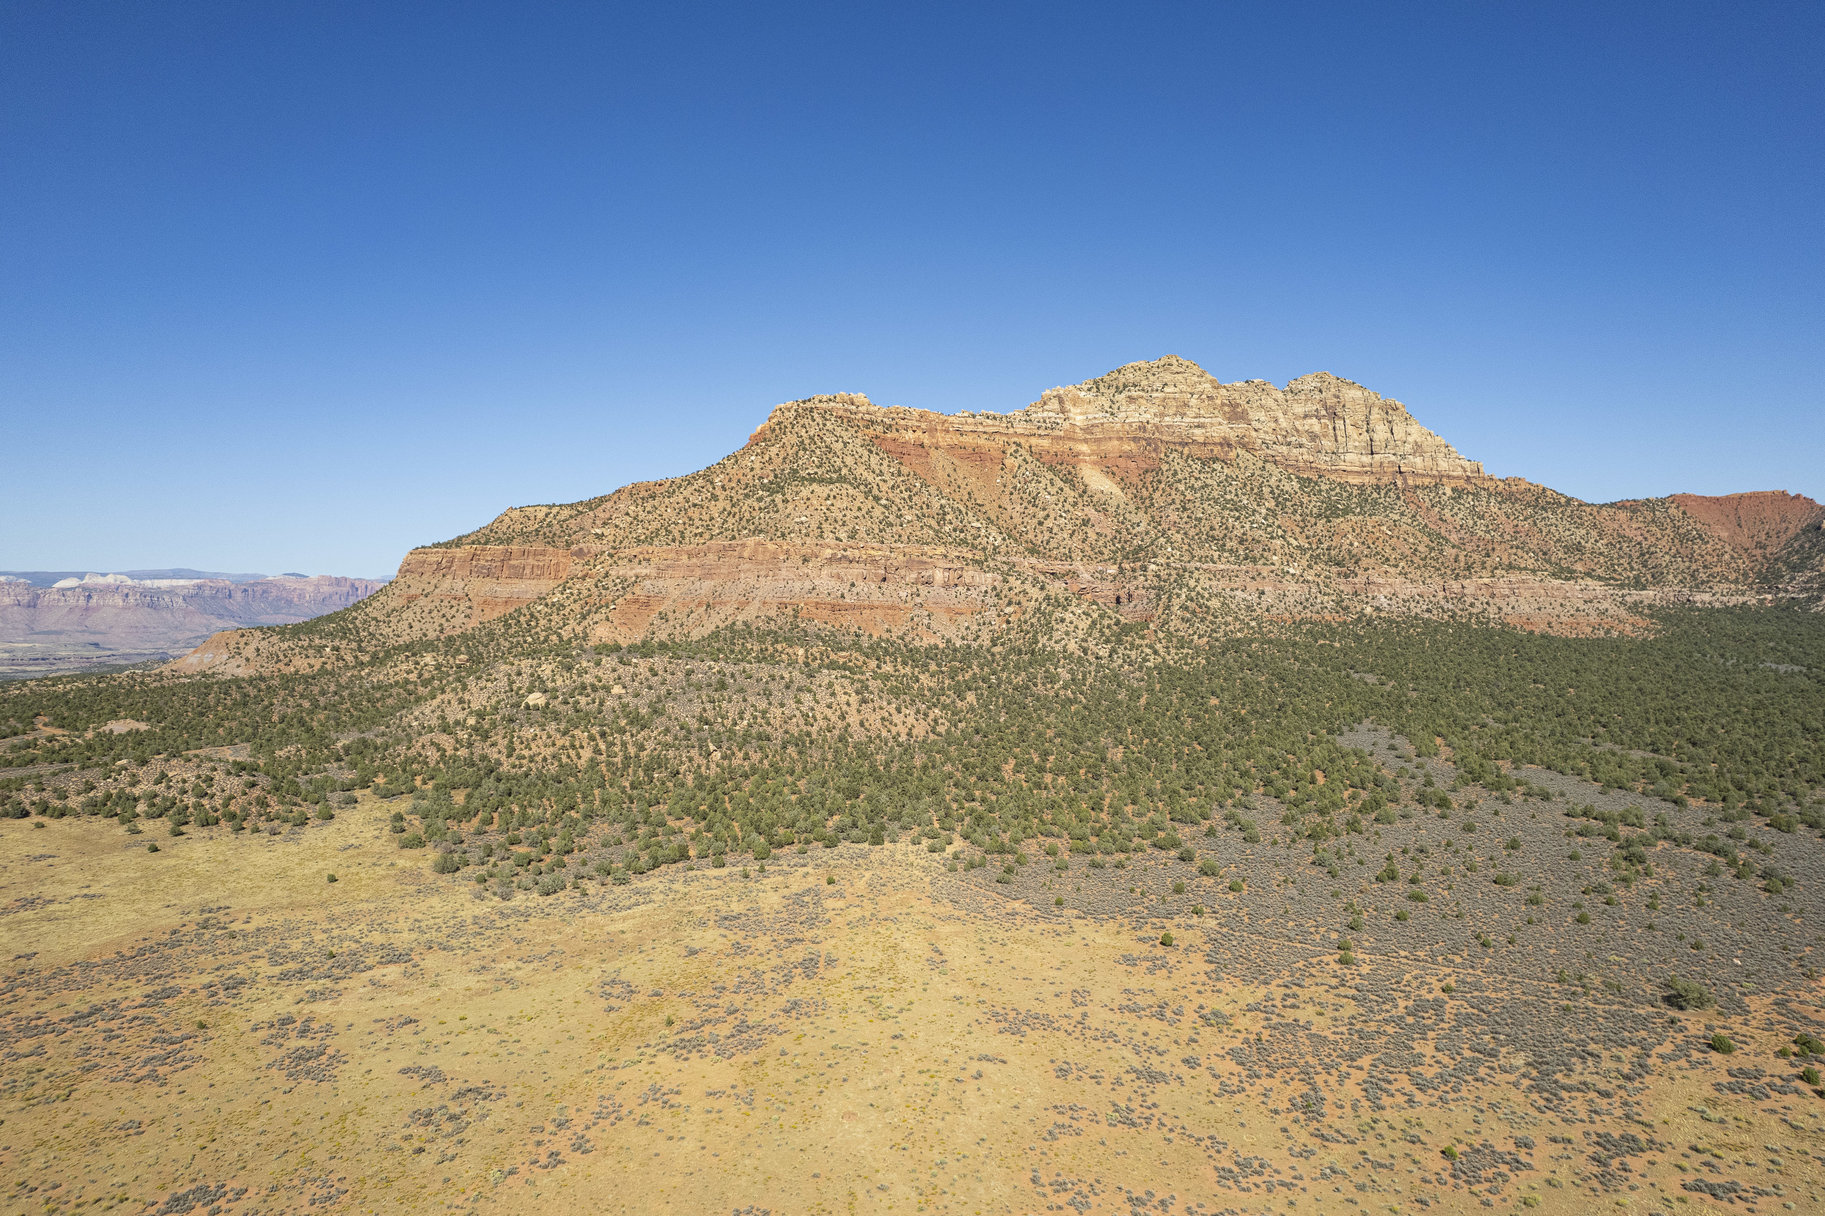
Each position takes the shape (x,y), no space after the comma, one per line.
(46,578)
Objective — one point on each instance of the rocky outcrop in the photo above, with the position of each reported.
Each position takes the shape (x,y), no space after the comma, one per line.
(489,580)
(1124,422)
(1317,424)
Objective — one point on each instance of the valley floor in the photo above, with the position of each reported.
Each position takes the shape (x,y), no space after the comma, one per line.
(30,660)
(218,1028)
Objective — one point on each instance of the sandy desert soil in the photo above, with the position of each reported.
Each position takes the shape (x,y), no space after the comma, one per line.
(217,1028)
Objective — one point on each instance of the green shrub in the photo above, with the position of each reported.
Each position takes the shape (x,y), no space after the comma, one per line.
(1209,867)
(1166,939)
(1721,1044)
(1688,994)
(446,863)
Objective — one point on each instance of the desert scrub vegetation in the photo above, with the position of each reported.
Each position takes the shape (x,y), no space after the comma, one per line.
(529,761)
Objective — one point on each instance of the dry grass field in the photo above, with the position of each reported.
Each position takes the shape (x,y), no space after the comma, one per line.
(218,1028)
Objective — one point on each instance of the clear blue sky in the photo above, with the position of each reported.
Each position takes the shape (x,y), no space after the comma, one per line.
(295,287)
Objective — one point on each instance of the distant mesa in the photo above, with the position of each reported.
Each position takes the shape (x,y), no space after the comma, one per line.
(54,620)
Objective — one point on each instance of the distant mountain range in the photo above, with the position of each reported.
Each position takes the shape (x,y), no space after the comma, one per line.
(1156,491)
(53,621)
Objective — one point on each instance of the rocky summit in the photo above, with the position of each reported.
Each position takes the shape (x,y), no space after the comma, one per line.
(1170,797)
(1317,424)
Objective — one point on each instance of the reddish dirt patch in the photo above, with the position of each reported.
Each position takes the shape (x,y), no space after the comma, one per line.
(1756,523)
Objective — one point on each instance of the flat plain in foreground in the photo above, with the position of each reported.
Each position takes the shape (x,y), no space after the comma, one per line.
(218,1028)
